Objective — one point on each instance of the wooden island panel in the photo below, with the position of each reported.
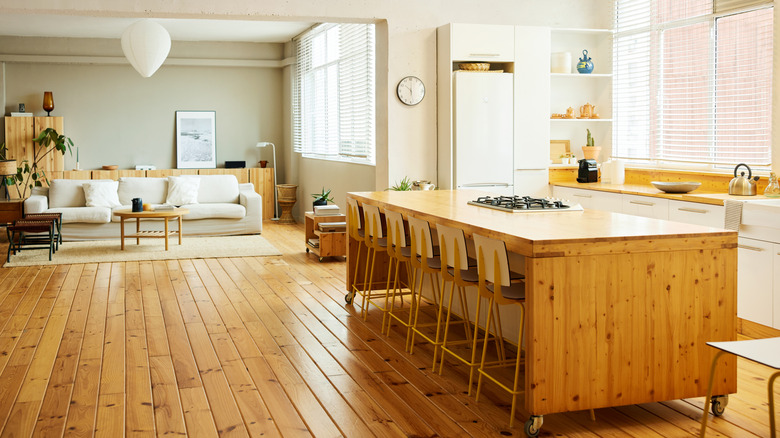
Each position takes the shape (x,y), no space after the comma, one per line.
(619,307)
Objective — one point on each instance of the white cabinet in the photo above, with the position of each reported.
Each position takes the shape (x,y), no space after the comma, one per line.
(776,284)
(574,90)
(646,206)
(482,42)
(592,199)
(696,213)
(532,103)
(755,288)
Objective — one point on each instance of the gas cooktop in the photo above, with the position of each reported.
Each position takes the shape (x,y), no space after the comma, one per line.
(524,204)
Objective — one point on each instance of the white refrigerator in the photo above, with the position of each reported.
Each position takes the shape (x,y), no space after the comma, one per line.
(483,131)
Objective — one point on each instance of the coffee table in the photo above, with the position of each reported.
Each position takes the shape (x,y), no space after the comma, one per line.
(165,215)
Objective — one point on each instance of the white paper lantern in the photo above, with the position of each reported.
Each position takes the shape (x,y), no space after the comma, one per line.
(146,45)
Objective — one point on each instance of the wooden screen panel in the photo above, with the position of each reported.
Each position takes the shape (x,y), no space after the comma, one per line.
(54,161)
(263,180)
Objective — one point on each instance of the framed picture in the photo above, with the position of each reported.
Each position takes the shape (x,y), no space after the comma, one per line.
(559,148)
(196,135)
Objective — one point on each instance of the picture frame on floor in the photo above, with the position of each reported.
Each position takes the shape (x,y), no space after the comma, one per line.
(196,139)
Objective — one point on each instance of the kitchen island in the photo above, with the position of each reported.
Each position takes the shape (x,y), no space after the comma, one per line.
(619,307)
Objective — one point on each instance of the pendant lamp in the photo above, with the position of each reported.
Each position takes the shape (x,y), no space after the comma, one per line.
(146,45)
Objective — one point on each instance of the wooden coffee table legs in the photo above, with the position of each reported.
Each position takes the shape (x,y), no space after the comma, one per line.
(139,234)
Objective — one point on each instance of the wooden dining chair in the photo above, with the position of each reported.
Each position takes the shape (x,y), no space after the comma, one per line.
(399,250)
(425,261)
(376,243)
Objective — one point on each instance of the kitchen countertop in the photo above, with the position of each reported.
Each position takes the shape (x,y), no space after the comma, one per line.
(698,195)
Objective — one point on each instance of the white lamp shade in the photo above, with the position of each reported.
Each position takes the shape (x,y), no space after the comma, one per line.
(146,45)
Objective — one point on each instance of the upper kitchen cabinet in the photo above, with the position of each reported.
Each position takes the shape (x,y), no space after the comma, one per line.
(480,42)
(571,89)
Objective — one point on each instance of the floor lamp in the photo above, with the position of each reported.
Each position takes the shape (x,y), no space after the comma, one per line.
(263,144)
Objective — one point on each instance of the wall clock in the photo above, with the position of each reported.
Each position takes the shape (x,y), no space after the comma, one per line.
(410,90)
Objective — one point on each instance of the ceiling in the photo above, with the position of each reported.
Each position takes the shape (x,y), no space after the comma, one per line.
(72,26)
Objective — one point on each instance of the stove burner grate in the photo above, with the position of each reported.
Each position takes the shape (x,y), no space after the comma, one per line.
(519,203)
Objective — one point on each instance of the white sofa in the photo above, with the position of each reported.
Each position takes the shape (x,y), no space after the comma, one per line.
(217,204)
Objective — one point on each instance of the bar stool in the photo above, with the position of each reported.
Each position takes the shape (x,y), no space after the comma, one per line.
(496,285)
(457,269)
(375,242)
(400,253)
(356,232)
(425,260)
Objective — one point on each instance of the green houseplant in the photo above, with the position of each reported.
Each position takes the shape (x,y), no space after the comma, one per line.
(7,170)
(321,198)
(404,186)
(30,173)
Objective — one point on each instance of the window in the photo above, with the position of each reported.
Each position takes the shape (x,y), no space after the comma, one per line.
(693,81)
(333,99)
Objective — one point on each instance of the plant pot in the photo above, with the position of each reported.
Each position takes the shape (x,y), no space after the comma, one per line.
(591,152)
(263,164)
(317,202)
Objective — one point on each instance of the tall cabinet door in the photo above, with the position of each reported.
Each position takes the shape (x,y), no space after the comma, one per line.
(532,97)
(754,282)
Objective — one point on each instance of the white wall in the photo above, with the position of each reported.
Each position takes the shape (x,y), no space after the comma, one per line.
(407,135)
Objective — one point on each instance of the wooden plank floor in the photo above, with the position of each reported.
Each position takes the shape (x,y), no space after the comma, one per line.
(260,346)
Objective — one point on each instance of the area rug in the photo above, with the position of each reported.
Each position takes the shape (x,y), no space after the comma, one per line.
(94,251)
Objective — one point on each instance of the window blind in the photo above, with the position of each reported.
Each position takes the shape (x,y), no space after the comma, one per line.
(333,96)
(692,85)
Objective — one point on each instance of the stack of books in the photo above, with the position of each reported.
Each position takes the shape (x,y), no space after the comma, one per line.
(21,114)
(327,210)
(314,242)
(163,207)
(332,226)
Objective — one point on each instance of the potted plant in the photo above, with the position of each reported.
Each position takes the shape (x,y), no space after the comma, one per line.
(567,158)
(7,171)
(30,174)
(404,186)
(321,198)
(590,152)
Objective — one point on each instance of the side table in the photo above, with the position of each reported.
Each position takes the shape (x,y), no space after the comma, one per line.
(330,243)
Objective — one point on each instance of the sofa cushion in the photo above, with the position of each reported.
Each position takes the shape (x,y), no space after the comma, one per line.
(214,211)
(150,190)
(92,215)
(182,190)
(218,188)
(101,194)
(68,192)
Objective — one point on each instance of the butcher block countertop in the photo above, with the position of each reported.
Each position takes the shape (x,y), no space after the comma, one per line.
(551,233)
(698,195)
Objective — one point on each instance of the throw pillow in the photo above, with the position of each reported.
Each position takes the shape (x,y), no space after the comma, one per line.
(101,194)
(182,190)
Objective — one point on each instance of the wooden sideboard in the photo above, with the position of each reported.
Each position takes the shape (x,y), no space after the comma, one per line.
(262,179)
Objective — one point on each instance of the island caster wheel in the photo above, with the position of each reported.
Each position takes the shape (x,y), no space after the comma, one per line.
(719,403)
(307,250)
(348,298)
(321,259)
(533,426)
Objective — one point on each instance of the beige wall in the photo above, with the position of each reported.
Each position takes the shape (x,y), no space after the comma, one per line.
(407,32)
(115,116)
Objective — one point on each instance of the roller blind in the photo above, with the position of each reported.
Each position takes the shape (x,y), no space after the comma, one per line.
(333,94)
(691,84)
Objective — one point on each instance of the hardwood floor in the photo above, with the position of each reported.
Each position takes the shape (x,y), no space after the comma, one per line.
(260,346)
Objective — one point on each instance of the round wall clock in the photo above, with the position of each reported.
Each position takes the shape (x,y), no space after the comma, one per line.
(410,90)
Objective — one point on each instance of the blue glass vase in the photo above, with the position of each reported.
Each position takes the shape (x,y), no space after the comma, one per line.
(585,65)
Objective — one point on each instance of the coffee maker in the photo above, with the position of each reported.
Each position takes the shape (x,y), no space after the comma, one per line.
(588,172)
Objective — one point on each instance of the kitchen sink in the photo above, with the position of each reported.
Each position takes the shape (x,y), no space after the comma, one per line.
(761,219)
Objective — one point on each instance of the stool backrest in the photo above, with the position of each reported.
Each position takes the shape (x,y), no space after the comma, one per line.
(422,242)
(492,260)
(353,205)
(373,221)
(396,234)
(452,243)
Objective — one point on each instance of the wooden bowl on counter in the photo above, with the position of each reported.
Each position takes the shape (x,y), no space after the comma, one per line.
(111,167)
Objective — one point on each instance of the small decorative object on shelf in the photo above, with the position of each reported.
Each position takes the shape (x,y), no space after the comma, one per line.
(263,164)
(588,111)
(321,198)
(585,66)
(48,102)
(21,108)
(590,152)
(773,188)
